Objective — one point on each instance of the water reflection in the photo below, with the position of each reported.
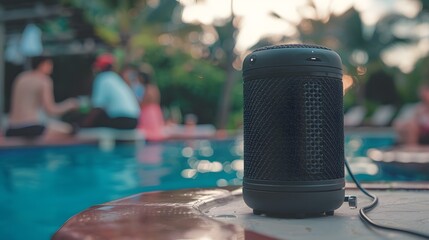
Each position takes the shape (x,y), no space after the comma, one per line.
(41,188)
(206,159)
(150,153)
(358,153)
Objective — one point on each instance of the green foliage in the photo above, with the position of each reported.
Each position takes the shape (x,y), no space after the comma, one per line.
(133,27)
(193,85)
(236,118)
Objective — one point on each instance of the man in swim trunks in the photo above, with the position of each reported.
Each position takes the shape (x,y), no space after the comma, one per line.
(33,91)
(415,131)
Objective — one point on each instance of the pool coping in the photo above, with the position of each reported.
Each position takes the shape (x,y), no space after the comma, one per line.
(157,215)
(18,143)
(179,214)
(413,186)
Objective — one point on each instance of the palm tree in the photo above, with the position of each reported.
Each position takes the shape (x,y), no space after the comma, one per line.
(222,53)
(119,22)
(226,43)
(360,51)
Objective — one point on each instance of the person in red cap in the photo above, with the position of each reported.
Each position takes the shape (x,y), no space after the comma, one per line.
(113,101)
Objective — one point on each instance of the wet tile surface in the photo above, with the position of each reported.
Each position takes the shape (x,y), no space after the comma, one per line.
(158,215)
(408,209)
(222,214)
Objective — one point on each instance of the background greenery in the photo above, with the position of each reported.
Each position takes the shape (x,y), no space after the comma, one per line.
(199,77)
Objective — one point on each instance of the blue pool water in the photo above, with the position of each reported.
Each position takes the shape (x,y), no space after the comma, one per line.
(40,188)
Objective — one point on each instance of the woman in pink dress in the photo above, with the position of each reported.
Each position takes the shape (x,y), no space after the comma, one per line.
(151,120)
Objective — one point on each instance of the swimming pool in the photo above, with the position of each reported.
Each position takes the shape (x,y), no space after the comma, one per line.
(40,188)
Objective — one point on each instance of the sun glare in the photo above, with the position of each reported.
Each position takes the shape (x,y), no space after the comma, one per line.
(278,19)
(258,19)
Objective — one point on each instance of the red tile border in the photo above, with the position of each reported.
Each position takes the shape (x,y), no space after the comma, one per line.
(156,215)
(7,143)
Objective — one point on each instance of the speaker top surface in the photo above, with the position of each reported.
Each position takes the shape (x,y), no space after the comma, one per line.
(302,57)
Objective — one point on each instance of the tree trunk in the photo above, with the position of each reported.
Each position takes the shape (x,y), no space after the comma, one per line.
(225,98)
(2,72)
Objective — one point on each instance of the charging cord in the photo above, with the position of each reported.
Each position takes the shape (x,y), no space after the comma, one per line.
(372,205)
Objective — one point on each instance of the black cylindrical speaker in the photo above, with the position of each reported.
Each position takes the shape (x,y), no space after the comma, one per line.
(293,130)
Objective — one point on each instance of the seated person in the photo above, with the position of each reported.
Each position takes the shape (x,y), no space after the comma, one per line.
(151,120)
(130,74)
(190,124)
(415,131)
(32,91)
(113,101)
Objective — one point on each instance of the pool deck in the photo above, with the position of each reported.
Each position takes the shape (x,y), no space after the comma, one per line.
(220,213)
(14,143)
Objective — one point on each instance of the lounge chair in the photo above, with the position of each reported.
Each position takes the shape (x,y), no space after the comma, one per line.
(382,116)
(354,116)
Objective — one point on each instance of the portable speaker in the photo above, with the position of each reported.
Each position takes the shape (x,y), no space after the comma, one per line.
(293,130)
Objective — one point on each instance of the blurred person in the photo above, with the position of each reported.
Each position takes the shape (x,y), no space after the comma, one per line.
(113,102)
(32,91)
(415,130)
(151,120)
(172,118)
(190,124)
(131,76)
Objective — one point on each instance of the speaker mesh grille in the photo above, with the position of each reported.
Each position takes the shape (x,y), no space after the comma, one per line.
(313,127)
(293,128)
(291,46)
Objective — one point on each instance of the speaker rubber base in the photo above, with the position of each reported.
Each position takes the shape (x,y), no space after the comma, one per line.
(293,204)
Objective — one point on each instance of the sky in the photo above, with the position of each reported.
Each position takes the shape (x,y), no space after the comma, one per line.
(257,21)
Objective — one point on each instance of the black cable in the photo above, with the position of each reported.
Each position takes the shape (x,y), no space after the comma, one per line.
(372,205)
